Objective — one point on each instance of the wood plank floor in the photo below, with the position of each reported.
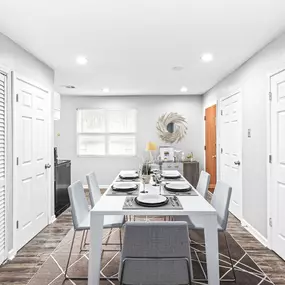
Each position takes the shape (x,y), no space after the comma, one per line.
(32,256)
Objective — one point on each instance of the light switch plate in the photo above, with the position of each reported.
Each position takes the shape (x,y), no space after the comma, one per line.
(249,133)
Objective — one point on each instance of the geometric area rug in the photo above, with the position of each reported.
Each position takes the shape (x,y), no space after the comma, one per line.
(52,271)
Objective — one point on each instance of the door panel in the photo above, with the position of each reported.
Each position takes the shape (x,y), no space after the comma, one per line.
(277,190)
(210,139)
(31,149)
(231,135)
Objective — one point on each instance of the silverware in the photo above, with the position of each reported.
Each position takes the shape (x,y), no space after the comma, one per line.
(176,200)
(171,200)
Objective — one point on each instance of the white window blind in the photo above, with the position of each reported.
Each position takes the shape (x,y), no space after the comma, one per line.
(106,132)
(3,91)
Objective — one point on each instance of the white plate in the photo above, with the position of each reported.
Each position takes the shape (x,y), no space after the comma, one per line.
(172,174)
(177,186)
(124,185)
(151,199)
(129,175)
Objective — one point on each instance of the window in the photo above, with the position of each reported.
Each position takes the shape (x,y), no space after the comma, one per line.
(106,132)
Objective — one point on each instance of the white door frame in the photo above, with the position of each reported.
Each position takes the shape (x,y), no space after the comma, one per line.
(218,122)
(8,186)
(268,153)
(49,153)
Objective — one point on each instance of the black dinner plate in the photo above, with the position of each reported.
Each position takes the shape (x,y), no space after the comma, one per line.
(152,204)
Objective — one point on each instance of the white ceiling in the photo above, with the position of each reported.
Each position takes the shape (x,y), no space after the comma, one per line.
(132,45)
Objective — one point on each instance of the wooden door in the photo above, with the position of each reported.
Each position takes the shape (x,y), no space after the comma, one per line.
(32,156)
(277,183)
(210,138)
(231,144)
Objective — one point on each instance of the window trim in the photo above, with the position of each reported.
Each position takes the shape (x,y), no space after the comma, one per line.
(106,135)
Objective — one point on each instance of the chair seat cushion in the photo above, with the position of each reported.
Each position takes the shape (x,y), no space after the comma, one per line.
(191,225)
(115,221)
(109,222)
(85,223)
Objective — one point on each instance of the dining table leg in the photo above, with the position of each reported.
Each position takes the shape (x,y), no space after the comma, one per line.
(212,250)
(96,233)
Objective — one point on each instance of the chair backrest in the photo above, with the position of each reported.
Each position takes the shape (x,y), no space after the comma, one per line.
(203,183)
(94,190)
(155,253)
(78,203)
(221,202)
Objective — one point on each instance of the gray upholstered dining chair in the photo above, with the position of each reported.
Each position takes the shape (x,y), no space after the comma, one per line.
(155,253)
(80,216)
(203,183)
(221,202)
(110,221)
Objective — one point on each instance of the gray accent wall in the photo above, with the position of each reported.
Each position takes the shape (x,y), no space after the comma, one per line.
(149,109)
(252,78)
(15,58)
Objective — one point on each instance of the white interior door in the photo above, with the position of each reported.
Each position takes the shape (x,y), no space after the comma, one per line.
(277,191)
(3,219)
(231,145)
(31,155)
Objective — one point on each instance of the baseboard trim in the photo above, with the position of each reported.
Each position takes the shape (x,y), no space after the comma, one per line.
(11,254)
(254,232)
(52,219)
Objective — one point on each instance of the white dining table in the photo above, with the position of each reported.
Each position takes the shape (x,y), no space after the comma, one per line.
(201,212)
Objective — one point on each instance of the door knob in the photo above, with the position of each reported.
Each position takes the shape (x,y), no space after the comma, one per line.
(237,162)
(47,166)
(214,156)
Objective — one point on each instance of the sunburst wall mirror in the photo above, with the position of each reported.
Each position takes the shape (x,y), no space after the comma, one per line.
(171,127)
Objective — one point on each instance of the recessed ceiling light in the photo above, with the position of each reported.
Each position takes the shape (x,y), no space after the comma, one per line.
(68,86)
(207,57)
(177,68)
(106,90)
(82,60)
(183,89)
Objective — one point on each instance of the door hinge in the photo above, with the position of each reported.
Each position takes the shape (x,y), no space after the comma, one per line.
(222,150)
(204,147)
(270,96)
(270,158)
(17,162)
(17,224)
(270,222)
(204,118)
(222,113)
(17,97)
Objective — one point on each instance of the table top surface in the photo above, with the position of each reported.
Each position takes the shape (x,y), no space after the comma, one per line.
(113,205)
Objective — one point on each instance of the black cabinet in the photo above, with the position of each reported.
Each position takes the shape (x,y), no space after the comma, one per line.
(62,179)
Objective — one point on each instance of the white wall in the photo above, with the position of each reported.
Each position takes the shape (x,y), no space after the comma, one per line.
(15,58)
(149,109)
(253,79)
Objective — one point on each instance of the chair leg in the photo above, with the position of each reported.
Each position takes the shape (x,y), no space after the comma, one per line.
(120,239)
(230,256)
(111,243)
(68,260)
(85,243)
(81,244)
